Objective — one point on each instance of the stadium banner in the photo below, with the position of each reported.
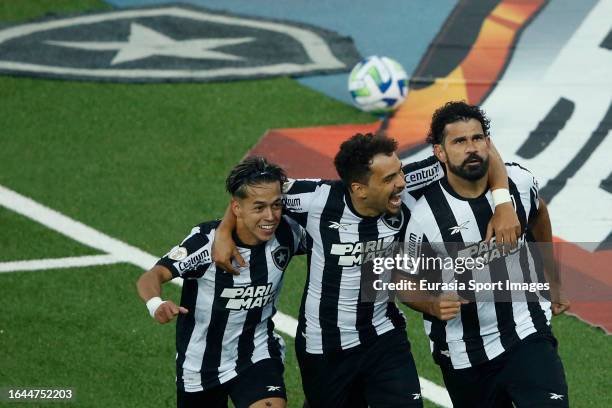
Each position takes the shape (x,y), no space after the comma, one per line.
(171,43)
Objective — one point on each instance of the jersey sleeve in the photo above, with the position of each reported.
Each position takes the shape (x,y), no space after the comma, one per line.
(192,257)
(419,175)
(527,186)
(298,196)
(418,245)
(299,237)
(414,236)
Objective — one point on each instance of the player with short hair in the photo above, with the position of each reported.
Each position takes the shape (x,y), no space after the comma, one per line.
(497,348)
(354,353)
(226,345)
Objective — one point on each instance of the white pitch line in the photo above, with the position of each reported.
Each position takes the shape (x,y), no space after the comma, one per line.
(435,393)
(123,252)
(74,229)
(285,324)
(57,263)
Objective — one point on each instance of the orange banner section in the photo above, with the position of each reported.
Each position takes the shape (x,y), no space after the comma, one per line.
(472,80)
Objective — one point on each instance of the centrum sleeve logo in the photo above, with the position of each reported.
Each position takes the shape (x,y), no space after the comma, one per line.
(171,43)
(198,258)
(419,178)
(292,203)
(248,297)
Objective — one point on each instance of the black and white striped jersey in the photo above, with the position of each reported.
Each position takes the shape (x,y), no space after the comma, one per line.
(229,325)
(332,316)
(495,321)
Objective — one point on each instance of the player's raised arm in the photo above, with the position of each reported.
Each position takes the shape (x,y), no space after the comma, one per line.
(149,290)
(541,229)
(504,223)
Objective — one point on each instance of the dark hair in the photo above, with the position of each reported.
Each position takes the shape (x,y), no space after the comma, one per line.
(355,156)
(252,171)
(453,112)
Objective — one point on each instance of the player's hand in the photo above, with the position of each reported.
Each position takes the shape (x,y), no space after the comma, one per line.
(559,303)
(560,307)
(446,306)
(224,250)
(167,311)
(505,225)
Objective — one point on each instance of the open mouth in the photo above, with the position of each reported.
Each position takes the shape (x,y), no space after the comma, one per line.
(473,162)
(395,200)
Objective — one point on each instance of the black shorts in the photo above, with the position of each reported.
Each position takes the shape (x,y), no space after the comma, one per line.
(379,375)
(530,375)
(263,379)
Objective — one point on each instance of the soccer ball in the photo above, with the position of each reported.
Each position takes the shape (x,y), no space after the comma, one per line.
(378,85)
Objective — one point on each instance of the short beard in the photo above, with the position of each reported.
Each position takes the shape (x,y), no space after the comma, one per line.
(470,173)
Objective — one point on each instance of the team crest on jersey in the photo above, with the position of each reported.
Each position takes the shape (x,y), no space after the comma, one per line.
(394,221)
(280,256)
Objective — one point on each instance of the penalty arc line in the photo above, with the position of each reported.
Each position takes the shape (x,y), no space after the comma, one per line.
(120,251)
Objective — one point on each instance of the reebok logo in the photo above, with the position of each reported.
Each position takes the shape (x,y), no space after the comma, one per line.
(458,228)
(337,225)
